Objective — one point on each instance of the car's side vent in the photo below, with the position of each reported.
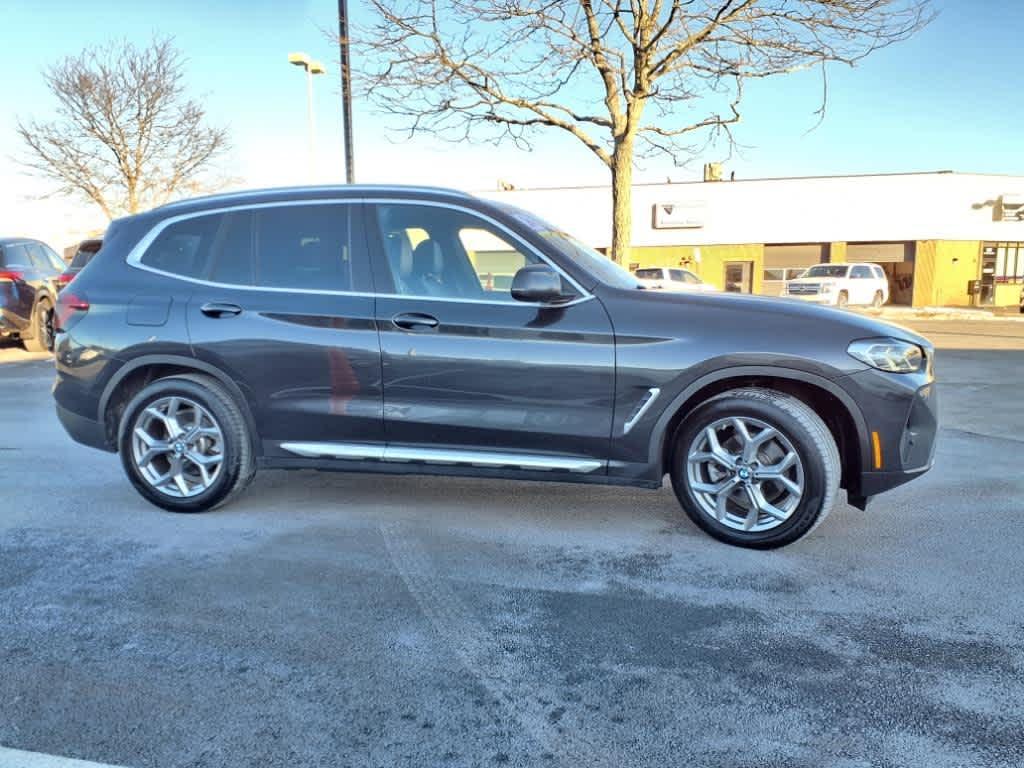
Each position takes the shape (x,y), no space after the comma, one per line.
(641,408)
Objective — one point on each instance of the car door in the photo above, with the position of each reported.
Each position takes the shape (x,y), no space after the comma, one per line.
(280,301)
(467,369)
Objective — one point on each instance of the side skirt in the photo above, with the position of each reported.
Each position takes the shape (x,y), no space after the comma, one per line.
(449,470)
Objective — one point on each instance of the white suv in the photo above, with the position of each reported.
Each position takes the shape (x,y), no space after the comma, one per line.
(841,284)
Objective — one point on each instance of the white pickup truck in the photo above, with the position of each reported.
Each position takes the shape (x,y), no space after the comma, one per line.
(841,285)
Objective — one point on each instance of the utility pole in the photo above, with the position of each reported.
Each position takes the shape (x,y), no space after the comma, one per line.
(346,90)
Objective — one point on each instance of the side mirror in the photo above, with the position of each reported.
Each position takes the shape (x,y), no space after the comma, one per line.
(537,283)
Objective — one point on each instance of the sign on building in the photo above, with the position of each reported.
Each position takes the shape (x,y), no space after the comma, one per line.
(676,215)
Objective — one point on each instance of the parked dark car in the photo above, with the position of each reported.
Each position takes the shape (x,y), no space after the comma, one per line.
(349,328)
(29,273)
(83,255)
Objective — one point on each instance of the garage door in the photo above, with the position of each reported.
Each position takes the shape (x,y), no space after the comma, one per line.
(784,262)
(897,259)
(878,253)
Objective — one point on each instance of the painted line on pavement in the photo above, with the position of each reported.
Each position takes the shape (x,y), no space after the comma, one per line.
(16,758)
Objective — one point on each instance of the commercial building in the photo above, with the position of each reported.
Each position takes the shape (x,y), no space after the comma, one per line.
(933,233)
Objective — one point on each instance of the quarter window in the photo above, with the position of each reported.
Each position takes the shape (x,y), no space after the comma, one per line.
(184,247)
(441,252)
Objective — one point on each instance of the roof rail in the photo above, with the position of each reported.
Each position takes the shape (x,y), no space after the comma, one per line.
(357,188)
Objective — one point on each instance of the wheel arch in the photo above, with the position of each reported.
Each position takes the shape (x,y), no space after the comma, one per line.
(131,377)
(836,408)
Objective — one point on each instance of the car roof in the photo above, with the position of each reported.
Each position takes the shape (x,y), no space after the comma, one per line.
(332,191)
(16,240)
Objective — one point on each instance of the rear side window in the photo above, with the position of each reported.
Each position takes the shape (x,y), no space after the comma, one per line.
(37,257)
(15,256)
(303,246)
(860,273)
(288,246)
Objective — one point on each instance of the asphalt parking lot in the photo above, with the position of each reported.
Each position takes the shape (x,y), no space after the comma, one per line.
(354,620)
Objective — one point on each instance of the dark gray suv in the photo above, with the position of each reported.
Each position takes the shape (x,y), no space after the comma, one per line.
(409,330)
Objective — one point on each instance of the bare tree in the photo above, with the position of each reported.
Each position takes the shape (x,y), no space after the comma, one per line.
(627,78)
(124,136)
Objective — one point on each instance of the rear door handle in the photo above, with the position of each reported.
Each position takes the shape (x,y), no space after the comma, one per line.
(414,321)
(219,309)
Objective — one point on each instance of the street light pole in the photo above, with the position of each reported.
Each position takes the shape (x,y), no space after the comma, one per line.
(312,68)
(346,90)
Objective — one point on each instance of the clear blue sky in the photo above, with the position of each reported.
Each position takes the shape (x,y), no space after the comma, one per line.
(949,98)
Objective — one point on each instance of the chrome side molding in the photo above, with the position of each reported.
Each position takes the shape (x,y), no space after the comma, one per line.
(647,402)
(405,454)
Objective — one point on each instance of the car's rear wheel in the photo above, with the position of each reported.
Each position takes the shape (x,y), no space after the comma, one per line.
(755,468)
(41,339)
(843,299)
(878,300)
(184,444)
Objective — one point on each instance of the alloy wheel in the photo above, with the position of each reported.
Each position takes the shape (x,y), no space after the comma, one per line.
(177,446)
(745,474)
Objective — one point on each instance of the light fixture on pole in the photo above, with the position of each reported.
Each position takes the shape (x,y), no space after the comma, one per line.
(312,68)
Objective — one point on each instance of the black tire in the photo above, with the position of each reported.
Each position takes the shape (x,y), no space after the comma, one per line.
(810,438)
(878,300)
(238,466)
(41,339)
(843,299)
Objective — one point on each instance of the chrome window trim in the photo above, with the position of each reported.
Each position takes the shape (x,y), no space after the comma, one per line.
(135,255)
(445,456)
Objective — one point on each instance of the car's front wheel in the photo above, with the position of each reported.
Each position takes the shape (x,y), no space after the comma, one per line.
(755,468)
(184,444)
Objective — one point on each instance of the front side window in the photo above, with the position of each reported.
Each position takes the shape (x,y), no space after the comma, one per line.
(685,276)
(288,246)
(440,252)
(860,273)
(585,257)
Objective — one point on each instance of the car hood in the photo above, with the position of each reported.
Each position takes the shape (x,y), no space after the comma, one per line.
(765,312)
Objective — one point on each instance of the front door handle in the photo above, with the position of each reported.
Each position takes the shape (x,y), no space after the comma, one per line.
(219,309)
(414,321)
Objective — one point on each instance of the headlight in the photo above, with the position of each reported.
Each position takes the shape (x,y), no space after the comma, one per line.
(827,287)
(889,355)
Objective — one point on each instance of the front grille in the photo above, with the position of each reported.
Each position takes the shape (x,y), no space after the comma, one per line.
(803,289)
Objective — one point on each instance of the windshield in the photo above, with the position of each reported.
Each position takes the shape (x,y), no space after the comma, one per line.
(594,263)
(826,270)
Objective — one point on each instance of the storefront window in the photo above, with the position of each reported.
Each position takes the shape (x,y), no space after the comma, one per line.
(1010,263)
